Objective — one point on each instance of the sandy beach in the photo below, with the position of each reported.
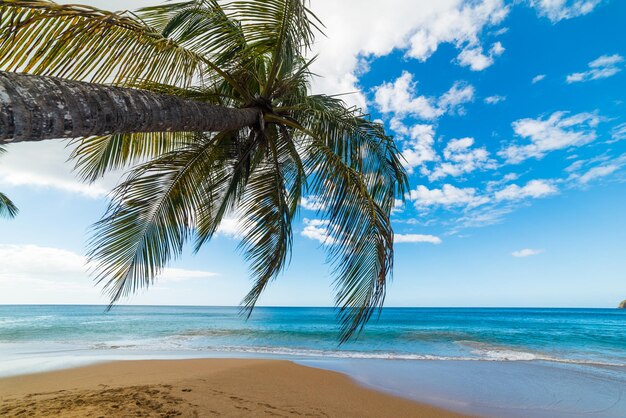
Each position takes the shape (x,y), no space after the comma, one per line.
(199,388)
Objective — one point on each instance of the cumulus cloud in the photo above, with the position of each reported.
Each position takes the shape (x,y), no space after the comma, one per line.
(398,206)
(312,203)
(231,227)
(556,10)
(602,67)
(477,60)
(417,144)
(480,208)
(400,98)
(453,100)
(538,78)
(461,26)
(416,27)
(526,252)
(475,207)
(447,196)
(559,131)
(416,238)
(461,158)
(533,189)
(317,229)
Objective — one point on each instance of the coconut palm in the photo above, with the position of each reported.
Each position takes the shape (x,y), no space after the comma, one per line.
(207,106)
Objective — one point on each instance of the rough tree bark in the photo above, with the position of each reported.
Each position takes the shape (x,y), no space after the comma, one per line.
(34,108)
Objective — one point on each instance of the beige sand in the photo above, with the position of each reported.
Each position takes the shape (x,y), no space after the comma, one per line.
(199,388)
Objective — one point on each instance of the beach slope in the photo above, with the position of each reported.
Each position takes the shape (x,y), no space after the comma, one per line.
(199,388)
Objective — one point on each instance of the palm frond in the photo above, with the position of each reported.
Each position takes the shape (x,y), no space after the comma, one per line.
(268,208)
(358,228)
(361,237)
(7,208)
(95,156)
(284,29)
(202,26)
(151,216)
(360,143)
(85,43)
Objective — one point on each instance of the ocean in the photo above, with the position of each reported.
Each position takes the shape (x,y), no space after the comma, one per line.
(543,363)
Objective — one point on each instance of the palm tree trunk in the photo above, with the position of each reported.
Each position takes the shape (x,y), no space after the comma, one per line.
(34,108)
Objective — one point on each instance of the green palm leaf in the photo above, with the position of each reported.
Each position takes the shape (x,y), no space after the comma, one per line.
(268,208)
(7,207)
(150,218)
(85,43)
(95,156)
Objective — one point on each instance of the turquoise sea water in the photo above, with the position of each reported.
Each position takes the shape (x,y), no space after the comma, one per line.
(494,362)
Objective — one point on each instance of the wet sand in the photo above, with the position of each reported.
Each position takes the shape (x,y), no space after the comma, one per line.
(200,388)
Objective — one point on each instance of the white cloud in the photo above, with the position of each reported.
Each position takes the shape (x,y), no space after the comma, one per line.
(498,183)
(33,274)
(400,98)
(602,67)
(417,27)
(45,165)
(453,100)
(461,27)
(483,216)
(526,252)
(559,131)
(416,238)
(398,206)
(495,99)
(418,147)
(231,227)
(556,10)
(316,229)
(312,203)
(447,196)
(618,132)
(50,266)
(533,189)
(598,172)
(477,60)
(461,158)
(481,208)
(582,172)
(538,78)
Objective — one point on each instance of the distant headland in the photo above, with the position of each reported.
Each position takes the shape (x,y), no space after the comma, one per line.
(622,305)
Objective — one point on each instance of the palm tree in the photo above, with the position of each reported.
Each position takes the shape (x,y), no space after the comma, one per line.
(207,105)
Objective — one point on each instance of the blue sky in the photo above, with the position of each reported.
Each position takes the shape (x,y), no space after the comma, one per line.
(512,120)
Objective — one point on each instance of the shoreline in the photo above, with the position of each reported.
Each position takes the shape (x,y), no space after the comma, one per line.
(201,387)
